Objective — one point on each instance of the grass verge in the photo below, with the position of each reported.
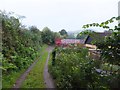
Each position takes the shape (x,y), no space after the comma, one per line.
(35,78)
(9,80)
(50,60)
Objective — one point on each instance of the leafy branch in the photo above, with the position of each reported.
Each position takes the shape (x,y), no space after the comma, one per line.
(105,24)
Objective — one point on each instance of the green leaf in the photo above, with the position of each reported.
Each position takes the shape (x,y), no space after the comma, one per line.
(2,68)
(102,24)
(111,21)
(106,22)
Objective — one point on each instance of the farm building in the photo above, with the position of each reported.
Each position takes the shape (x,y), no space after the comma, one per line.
(96,36)
(68,41)
(86,40)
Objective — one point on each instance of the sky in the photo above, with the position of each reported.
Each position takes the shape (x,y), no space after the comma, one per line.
(70,15)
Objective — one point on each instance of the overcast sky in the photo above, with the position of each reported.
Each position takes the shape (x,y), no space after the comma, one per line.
(70,15)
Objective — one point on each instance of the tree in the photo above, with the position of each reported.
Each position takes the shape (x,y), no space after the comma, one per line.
(56,35)
(20,45)
(34,29)
(85,33)
(63,33)
(110,46)
(47,36)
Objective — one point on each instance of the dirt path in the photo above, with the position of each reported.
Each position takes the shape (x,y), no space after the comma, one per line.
(47,77)
(19,81)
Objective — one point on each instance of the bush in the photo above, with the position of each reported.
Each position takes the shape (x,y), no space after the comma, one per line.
(74,69)
(20,45)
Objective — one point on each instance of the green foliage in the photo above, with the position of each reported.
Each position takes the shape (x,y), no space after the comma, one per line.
(63,33)
(48,37)
(34,29)
(84,34)
(105,24)
(53,56)
(110,45)
(20,45)
(110,51)
(35,78)
(9,80)
(110,48)
(74,69)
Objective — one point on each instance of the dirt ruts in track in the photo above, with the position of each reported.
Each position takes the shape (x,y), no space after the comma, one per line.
(47,77)
(19,81)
